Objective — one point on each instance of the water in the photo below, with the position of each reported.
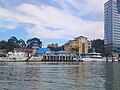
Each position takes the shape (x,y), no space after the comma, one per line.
(60,76)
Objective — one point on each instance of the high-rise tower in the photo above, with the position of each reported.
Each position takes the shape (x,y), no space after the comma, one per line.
(112,26)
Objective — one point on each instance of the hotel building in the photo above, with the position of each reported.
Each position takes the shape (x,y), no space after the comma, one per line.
(112,27)
(78,46)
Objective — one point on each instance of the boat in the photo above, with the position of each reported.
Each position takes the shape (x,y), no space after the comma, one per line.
(19,57)
(16,56)
(93,57)
(35,58)
(77,59)
(3,58)
(112,59)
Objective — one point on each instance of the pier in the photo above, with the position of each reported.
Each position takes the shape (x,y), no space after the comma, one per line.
(58,58)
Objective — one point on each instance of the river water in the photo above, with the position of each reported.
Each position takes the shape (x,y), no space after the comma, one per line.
(60,76)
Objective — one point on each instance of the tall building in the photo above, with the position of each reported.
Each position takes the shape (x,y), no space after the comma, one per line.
(112,26)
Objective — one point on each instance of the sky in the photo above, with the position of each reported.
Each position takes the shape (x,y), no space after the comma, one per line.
(52,21)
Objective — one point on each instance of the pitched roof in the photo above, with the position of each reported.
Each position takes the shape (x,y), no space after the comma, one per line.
(80,37)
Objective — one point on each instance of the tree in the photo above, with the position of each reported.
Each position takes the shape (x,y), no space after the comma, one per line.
(98,45)
(56,48)
(3,44)
(12,43)
(22,43)
(34,42)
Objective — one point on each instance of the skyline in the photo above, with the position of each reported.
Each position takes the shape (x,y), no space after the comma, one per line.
(51,21)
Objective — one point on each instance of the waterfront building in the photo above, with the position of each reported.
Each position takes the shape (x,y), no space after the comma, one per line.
(78,46)
(112,27)
(82,44)
(25,50)
(32,51)
(58,56)
(71,46)
(89,44)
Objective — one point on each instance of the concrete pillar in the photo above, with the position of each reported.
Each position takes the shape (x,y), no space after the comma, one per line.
(65,57)
(59,57)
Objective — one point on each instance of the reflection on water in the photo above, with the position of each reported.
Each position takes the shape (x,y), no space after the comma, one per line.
(59,76)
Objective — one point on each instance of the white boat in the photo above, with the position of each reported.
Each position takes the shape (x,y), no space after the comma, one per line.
(93,57)
(19,57)
(112,59)
(3,58)
(16,56)
(35,58)
(77,59)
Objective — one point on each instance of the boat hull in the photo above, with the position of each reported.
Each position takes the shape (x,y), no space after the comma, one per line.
(20,59)
(93,59)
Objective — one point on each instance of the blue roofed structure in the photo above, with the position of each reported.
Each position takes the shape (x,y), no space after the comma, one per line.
(35,44)
(62,52)
(42,50)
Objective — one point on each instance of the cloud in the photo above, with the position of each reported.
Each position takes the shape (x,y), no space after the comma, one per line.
(71,25)
(82,7)
(6,23)
(48,16)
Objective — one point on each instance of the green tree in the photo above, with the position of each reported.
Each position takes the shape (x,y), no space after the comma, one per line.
(12,43)
(3,44)
(22,43)
(98,45)
(56,48)
(34,42)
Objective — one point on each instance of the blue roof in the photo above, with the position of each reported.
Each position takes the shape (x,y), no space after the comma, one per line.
(35,44)
(62,52)
(42,50)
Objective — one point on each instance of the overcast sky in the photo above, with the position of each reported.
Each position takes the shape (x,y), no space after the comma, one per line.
(54,21)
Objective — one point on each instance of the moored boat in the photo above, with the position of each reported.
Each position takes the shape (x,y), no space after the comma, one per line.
(16,56)
(35,58)
(19,57)
(78,59)
(93,57)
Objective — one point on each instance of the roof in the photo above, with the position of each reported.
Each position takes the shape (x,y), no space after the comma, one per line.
(62,52)
(23,49)
(42,50)
(35,44)
(80,37)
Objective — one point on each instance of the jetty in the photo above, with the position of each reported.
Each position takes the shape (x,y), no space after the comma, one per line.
(58,58)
